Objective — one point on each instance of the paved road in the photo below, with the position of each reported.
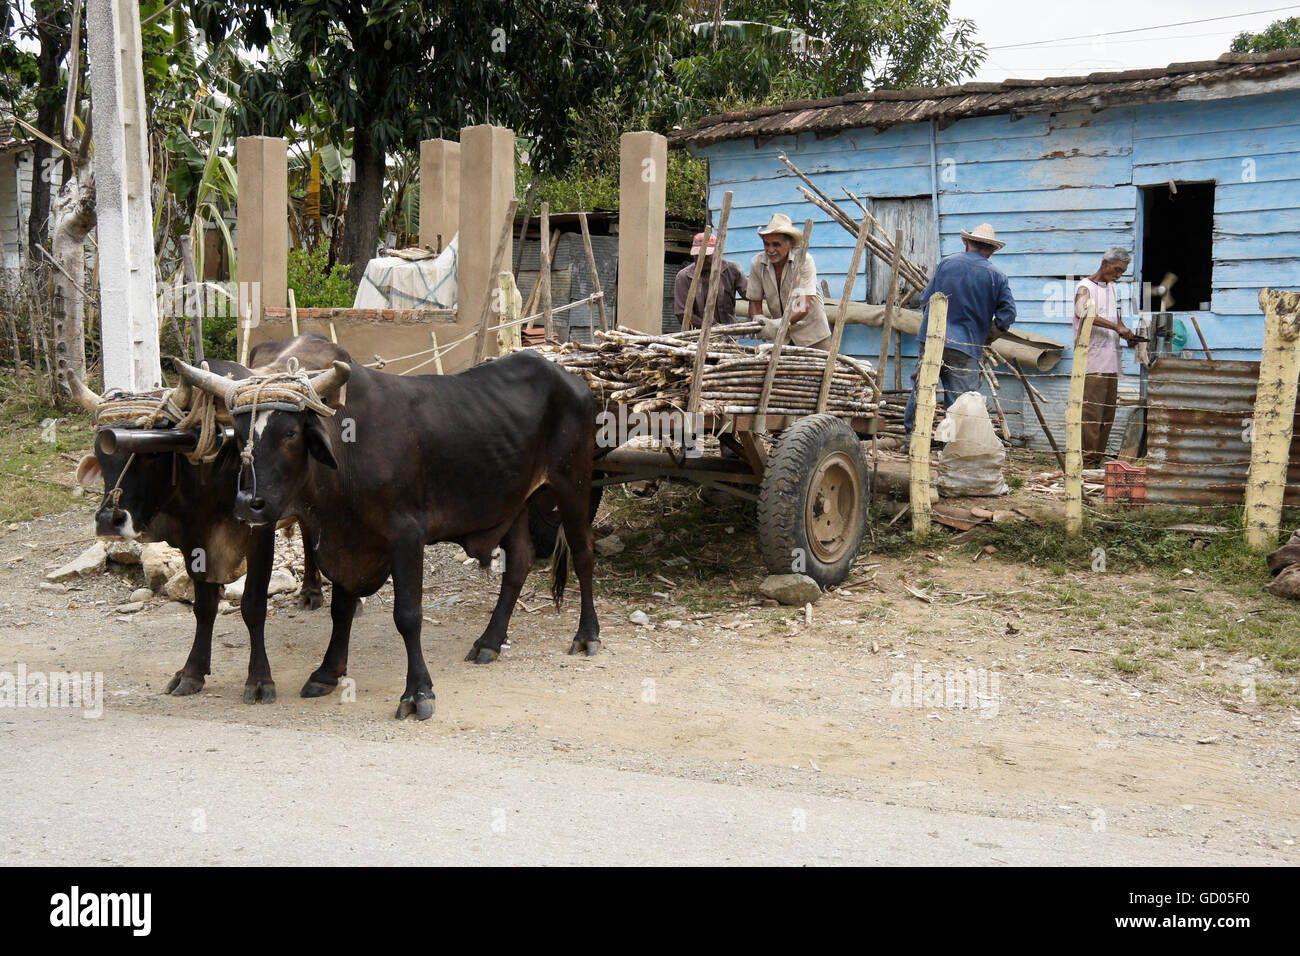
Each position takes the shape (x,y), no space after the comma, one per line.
(142,789)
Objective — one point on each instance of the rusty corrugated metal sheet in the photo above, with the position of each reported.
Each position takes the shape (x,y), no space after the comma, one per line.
(1198,452)
(881,108)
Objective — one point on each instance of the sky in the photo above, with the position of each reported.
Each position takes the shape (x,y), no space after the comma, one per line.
(1086,36)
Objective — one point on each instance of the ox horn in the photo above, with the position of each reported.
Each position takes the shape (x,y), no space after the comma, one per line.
(210,382)
(332,379)
(82,395)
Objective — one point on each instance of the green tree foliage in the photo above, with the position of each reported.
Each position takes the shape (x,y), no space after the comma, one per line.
(315,285)
(394,72)
(1278,35)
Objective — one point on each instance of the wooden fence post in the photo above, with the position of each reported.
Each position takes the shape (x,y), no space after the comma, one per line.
(918,451)
(1275,401)
(1074,427)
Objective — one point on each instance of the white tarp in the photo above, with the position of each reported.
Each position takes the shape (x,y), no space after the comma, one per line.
(391,282)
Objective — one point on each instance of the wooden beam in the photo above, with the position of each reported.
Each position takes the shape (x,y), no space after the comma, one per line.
(1275,403)
(918,451)
(688,310)
(1074,427)
(887,324)
(595,276)
(548,317)
(837,334)
(480,345)
(710,306)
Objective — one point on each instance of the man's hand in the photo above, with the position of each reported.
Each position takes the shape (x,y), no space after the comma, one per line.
(1127,334)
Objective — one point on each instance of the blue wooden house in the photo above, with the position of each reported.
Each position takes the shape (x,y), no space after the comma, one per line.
(1195,167)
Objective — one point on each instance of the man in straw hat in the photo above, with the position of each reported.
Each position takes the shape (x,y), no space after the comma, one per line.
(979,300)
(730,283)
(772,280)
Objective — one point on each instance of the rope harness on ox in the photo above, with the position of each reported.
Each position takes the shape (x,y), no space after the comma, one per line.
(288,391)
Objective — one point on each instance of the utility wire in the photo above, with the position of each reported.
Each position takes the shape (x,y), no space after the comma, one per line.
(1162,26)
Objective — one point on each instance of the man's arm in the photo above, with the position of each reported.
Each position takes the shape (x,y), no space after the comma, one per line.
(1004,316)
(1081,309)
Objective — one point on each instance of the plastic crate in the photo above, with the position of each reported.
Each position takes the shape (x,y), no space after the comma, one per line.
(1125,484)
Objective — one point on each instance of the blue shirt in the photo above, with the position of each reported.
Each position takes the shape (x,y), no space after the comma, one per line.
(979,295)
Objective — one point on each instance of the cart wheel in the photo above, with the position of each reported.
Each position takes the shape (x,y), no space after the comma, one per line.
(544,522)
(812,504)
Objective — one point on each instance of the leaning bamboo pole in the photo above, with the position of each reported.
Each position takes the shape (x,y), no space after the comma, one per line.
(1074,427)
(480,345)
(710,304)
(838,334)
(923,428)
(1275,403)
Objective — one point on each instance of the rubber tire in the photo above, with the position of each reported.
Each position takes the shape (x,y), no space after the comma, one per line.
(783,496)
(544,526)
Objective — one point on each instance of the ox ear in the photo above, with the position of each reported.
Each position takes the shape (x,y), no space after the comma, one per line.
(89,474)
(319,445)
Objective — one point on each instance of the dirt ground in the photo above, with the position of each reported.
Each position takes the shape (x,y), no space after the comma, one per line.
(738,693)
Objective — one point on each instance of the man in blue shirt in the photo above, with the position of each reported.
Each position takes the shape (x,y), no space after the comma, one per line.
(979,297)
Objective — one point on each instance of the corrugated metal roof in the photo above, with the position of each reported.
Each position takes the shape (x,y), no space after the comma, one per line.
(1198,447)
(882,108)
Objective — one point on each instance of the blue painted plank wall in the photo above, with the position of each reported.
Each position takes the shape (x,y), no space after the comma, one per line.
(1060,189)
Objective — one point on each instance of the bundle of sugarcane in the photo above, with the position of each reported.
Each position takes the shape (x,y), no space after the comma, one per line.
(893,409)
(653,372)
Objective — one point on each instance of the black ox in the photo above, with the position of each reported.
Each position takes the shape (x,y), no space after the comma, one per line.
(409,461)
(153,493)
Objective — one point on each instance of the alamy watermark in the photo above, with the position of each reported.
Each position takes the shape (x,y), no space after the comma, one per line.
(671,427)
(971,689)
(37,689)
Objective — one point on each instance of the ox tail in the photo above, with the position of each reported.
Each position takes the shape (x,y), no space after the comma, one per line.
(559,567)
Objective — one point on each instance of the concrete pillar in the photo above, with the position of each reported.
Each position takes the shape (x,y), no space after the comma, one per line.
(642,190)
(439,191)
(263,241)
(124,210)
(487,187)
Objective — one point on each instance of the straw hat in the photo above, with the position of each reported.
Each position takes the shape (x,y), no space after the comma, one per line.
(780,224)
(699,241)
(984,233)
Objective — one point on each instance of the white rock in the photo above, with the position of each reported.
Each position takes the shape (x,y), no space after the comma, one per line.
(235,589)
(180,587)
(141,594)
(160,562)
(225,607)
(131,607)
(610,545)
(790,589)
(123,552)
(281,581)
(639,617)
(672,624)
(90,561)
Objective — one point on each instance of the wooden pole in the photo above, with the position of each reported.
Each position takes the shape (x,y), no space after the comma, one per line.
(1032,392)
(1074,427)
(887,324)
(838,334)
(1201,335)
(997,402)
(437,356)
(480,345)
(548,317)
(523,229)
(710,304)
(595,276)
(898,360)
(1275,403)
(192,282)
(688,310)
(535,293)
(293,313)
(918,452)
(774,356)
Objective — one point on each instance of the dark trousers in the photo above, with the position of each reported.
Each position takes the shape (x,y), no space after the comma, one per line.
(960,373)
(1099,394)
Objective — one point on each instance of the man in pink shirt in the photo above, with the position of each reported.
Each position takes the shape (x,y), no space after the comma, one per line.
(1101,384)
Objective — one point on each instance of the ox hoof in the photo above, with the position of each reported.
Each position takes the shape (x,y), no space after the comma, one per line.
(182,685)
(259,692)
(310,600)
(316,688)
(588,647)
(422,707)
(482,655)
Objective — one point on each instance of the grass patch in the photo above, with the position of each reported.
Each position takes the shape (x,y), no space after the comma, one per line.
(38,456)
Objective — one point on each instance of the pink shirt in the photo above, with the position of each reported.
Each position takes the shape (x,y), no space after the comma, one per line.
(1103,348)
